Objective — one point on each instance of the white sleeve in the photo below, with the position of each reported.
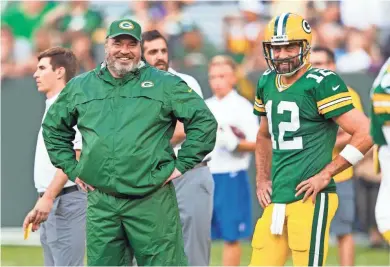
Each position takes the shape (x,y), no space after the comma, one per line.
(250,123)
(78,141)
(196,87)
(386,133)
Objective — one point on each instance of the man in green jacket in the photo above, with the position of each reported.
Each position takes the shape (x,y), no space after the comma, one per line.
(126,112)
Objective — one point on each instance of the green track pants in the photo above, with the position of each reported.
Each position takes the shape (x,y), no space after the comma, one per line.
(148,228)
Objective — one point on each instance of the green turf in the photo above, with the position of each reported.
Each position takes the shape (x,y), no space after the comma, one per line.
(22,256)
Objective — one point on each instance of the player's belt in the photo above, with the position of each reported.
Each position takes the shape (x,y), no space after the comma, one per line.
(64,191)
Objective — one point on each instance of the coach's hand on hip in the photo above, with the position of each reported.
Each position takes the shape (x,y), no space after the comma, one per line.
(176,173)
(84,186)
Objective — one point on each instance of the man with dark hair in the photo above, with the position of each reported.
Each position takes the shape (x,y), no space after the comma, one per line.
(323,58)
(195,189)
(63,234)
(342,224)
(126,112)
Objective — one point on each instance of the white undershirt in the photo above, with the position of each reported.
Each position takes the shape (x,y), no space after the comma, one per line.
(232,110)
(193,84)
(44,170)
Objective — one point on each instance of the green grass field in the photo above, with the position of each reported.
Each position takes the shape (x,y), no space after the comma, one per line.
(23,256)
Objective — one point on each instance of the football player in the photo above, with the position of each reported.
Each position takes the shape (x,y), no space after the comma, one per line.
(301,108)
(380,132)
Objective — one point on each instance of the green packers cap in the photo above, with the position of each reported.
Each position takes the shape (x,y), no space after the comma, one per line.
(124,26)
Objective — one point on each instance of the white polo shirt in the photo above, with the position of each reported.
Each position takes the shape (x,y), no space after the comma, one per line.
(193,84)
(233,110)
(44,171)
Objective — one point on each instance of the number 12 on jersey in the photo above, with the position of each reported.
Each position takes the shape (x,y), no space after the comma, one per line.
(283,127)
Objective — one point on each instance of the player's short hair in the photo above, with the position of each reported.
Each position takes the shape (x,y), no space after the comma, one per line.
(223,60)
(152,35)
(61,57)
(329,53)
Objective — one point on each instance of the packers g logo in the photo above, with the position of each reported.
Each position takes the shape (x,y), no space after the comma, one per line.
(306,27)
(126,25)
(147,84)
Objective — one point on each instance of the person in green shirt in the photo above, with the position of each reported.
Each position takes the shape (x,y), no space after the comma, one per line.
(25,17)
(126,112)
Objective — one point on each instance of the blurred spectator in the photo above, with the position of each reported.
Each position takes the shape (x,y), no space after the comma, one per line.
(139,12)
(7,53)
(44,39)
(82,48)
(192,55)
(356,57)
(281,6)
(73,17)
(370,17)
(195,50)
(236,43)
(25,17)
(171,23)
(12,65)
(241,32)
(329,31)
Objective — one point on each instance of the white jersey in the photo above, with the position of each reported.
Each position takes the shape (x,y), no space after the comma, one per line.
(232,110)
(44,170)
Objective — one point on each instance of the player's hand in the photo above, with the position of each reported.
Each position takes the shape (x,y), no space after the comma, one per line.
(264,192)
(175,174)
(313,186)
(84,186)
(32,217)
(42,209)
(29,219)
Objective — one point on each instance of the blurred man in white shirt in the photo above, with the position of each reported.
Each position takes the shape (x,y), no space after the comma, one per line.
(236,139)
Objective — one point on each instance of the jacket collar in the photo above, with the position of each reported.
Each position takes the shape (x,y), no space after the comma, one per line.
(103,73)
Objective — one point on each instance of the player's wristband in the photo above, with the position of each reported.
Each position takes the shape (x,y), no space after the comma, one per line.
(351,154)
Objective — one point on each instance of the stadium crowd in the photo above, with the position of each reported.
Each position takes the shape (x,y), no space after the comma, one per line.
(195,32)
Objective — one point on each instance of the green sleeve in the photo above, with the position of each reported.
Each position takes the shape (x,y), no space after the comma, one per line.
(200,126)
(332,95)
(259,106)
(380,106)
(58,133)
(380,96)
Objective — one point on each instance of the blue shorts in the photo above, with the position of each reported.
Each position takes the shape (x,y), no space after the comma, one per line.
(232,213)
(343,221)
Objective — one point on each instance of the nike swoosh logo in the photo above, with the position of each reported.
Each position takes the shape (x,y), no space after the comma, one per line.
(335,88)
(189,90)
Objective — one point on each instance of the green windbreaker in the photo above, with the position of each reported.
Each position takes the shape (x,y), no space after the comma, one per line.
(126,125)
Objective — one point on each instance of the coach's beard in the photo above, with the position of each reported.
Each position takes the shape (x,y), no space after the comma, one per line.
(121,69)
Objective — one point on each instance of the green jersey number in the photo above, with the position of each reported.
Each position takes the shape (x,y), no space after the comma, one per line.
(283,127)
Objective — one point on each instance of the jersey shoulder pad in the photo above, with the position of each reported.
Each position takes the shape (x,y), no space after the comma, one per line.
(268,74)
